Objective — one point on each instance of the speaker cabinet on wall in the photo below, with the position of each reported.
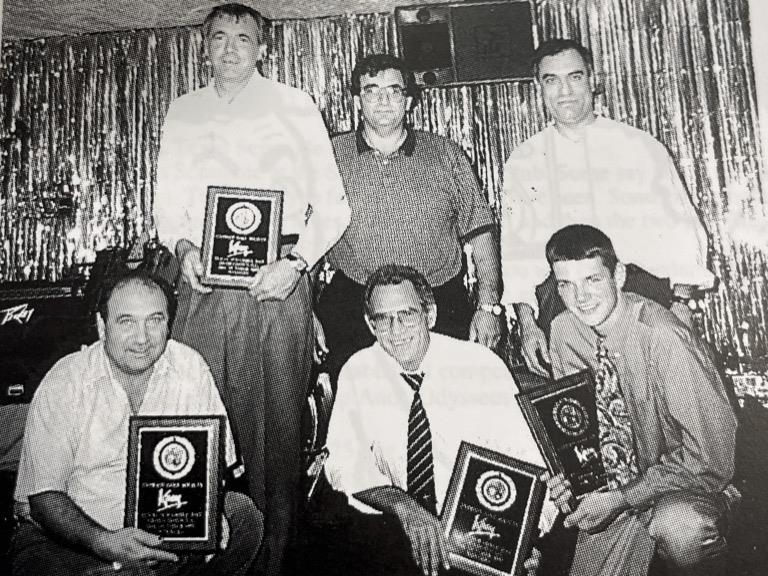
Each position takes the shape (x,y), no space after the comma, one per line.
(465,42)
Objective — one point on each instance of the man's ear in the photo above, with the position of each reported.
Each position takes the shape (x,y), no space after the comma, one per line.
(431,315)
(370,325)
(620,275)
(100,326)
(262,52)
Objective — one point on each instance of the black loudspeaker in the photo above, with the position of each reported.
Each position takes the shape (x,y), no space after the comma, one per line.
(40,323)
(467,42)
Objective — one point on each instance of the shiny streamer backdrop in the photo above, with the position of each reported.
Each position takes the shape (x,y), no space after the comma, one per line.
(81,118)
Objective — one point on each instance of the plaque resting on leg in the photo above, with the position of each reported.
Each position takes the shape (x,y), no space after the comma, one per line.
(241,234)
(491,511)
(563,418)
(174,478)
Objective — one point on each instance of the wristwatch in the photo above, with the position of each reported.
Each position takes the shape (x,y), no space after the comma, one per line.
(297,262)
(495,309)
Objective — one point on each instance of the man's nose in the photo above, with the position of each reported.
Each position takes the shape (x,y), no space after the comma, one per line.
(141,333)
(565,87)
(395,325)
(582,294)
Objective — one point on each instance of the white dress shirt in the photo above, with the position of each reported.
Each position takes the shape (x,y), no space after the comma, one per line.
(76,437)
(468,394)
(618,179)
(269,136)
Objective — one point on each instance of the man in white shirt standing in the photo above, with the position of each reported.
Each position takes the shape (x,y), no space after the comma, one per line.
(467,394)
(70,492)
(587,169)
(243,130)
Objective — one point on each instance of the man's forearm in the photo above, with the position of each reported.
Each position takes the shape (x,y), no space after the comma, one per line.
(57,513)
(525,314)
(487,271)
(387,499)
(183,246)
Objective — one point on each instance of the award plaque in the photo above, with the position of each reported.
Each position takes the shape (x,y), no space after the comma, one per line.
(491,511)
(563,417)
(175,471)
(241,234)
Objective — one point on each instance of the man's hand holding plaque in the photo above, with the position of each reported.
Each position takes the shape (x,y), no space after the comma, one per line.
(132,546)
(595,511)
(563,417)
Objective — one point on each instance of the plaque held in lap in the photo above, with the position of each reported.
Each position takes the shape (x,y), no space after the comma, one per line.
(241,234)
(563,418)
(175,471)
(490,512)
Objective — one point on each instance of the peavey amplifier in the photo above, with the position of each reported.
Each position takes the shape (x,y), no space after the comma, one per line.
(39,324)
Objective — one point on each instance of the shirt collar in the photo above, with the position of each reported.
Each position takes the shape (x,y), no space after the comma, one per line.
(101,369)
(255,85)
(407,147)
(617,334)
(427,363)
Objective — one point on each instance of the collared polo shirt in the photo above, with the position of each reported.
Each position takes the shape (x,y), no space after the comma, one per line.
(416,207)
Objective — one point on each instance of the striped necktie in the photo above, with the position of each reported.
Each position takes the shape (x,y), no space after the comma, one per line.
(421,473)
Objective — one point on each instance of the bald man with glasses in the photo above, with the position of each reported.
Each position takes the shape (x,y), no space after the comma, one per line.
(415,200)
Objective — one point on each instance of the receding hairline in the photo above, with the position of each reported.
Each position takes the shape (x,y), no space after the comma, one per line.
(141,282)
(586,65)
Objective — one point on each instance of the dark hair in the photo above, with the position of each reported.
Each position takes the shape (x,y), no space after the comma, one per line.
(237,11)
(144,278)
(555,46)
(375,63)
(394,274)
(579,242)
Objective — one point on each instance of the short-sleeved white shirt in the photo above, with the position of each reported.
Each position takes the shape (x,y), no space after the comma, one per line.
(76,436)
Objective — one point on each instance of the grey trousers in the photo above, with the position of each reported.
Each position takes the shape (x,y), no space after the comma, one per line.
(260,354)
(687,530)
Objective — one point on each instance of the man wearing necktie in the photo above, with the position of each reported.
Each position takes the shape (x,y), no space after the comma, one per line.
(667,430)
(402,409)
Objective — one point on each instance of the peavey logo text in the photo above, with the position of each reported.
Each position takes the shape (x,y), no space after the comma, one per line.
(481,527)
(21,314)
(167,500)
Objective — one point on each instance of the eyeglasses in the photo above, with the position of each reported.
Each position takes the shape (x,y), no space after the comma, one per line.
(407,318)
(374,93)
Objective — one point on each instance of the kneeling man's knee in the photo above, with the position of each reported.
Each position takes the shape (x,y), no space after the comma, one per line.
(685,528)
(244,518)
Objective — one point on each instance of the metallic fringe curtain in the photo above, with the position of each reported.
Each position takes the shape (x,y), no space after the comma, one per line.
(80,119)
